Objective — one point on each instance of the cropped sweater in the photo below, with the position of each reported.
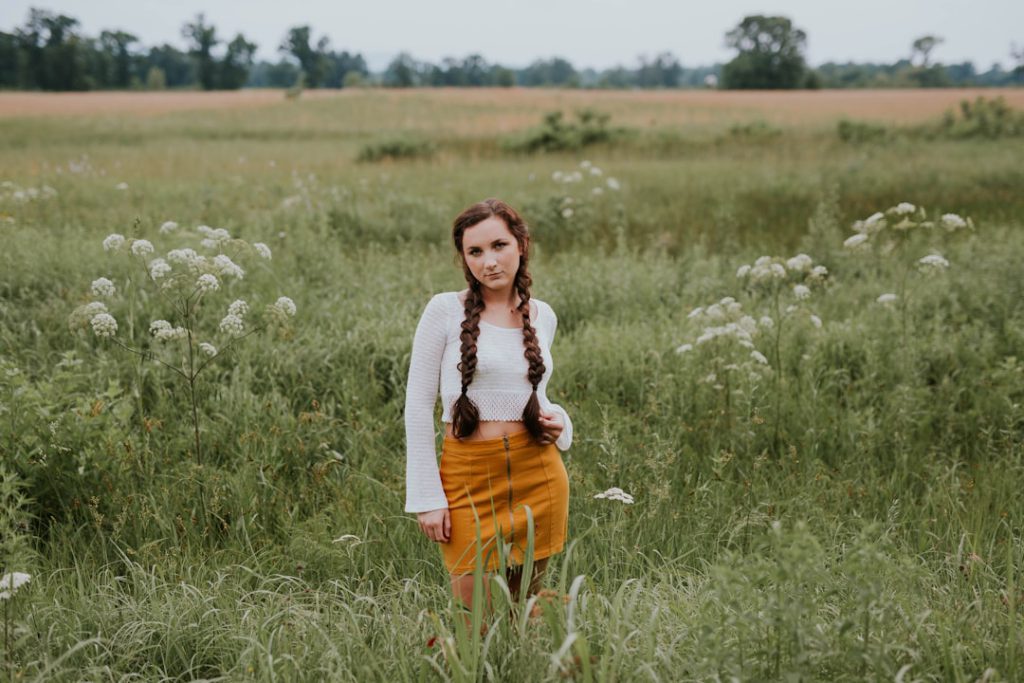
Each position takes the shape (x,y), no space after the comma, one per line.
(499,389)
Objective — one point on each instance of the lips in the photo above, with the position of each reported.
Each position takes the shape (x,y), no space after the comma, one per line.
(494,275)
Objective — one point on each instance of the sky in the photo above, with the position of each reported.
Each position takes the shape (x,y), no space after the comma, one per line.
(589,33)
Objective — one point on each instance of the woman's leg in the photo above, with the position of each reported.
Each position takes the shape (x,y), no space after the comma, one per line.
(514,576)
(462,591)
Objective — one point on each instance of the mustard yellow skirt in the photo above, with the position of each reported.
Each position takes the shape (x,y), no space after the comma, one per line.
(488,485)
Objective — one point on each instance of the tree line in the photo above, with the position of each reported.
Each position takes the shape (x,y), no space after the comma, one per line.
(49,52)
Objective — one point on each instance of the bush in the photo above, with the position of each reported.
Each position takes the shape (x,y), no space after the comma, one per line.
(858,132)
(557,135)
(399,148)
(982,118)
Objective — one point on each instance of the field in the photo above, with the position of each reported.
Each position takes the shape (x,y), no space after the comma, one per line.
(843,505)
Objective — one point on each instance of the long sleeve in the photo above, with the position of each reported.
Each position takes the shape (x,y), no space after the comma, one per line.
(423,489)
(564,440)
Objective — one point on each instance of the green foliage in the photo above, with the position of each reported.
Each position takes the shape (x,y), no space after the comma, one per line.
(860,132)
(557,135)
(984,118)
(396,149)
(770,54)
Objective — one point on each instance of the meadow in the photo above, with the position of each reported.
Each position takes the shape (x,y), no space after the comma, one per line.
(845,505)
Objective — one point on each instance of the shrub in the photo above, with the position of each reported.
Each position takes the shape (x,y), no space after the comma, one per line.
(398,148)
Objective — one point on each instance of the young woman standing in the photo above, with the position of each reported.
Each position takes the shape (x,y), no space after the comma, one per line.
(488,350)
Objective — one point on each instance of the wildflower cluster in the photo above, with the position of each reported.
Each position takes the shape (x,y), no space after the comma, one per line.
(615,493)
(581,186)
(10,192)
(798,276)
(187,280)
(724,327)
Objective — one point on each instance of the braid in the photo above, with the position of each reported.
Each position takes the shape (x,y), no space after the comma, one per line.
(531,412)
(465,414)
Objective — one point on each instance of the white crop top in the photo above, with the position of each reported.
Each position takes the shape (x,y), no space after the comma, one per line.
(499,388)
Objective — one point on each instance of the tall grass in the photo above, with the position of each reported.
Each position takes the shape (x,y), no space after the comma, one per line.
(881,540)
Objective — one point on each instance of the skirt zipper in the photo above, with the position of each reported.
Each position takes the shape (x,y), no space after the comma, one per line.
(508,467)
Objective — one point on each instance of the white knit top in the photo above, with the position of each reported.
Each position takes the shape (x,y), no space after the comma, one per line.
(499,389)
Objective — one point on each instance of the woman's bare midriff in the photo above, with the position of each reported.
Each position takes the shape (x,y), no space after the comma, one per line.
(489,430)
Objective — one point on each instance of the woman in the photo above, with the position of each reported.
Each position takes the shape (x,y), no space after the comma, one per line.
(488,350)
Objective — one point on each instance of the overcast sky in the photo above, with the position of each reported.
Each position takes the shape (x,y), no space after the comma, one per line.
(594,33)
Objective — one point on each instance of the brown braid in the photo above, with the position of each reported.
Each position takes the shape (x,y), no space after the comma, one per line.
(465,414)
(531,413)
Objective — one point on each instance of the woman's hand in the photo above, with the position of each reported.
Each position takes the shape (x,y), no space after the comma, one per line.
(436,524)
(551,425)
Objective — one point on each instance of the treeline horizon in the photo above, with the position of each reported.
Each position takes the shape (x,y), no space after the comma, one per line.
(49,53)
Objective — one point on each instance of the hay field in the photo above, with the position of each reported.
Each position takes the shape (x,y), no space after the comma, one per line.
(844,505)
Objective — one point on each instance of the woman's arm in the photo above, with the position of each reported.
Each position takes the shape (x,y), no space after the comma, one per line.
(564,440)
(423,489)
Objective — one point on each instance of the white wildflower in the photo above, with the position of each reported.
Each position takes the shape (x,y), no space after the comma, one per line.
(695,312)
(886,298)
(597,191)
(208,348)
(168,227)
(759,357)
(142,247)
(766,322)
(800,263)
(818,273)
(854,241)
(262,249)
(185,256)
(217,234)
(904,208)
(225,266)
(104,325)
(113,242)
(103,288)
(557,176)
(585,164)
(238,308)
(121,186)
(207,283)
(615,493)
(815,320)
(612,184)
(567,213)
(933,263)
(11,582)
(232,325)
(163,331)
(763,260)
(285,306)
(715,312)
(159,268)
(951,222)
(683,348)
(801,291)
(595,171)
(742,271)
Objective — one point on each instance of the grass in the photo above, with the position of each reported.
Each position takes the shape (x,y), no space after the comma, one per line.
(858,520)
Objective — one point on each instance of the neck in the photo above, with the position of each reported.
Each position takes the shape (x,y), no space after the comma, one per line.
(504,298)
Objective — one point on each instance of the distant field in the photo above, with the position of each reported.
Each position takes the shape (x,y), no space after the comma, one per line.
(518,106)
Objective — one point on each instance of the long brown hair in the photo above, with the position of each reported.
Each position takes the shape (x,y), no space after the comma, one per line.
(465,415)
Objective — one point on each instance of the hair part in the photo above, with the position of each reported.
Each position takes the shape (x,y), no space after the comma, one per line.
(465,414)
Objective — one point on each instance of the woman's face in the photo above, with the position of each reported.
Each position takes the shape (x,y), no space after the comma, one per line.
(492,253)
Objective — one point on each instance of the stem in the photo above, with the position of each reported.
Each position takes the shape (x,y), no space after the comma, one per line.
(778,372)
(192,385)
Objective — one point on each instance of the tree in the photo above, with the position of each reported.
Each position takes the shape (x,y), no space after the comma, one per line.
(115,45)
(770,54)
(204,39)
(234,70)
(923,47)
(312,61)
(401,72)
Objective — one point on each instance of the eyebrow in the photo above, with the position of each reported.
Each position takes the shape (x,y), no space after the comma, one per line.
(500,239)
